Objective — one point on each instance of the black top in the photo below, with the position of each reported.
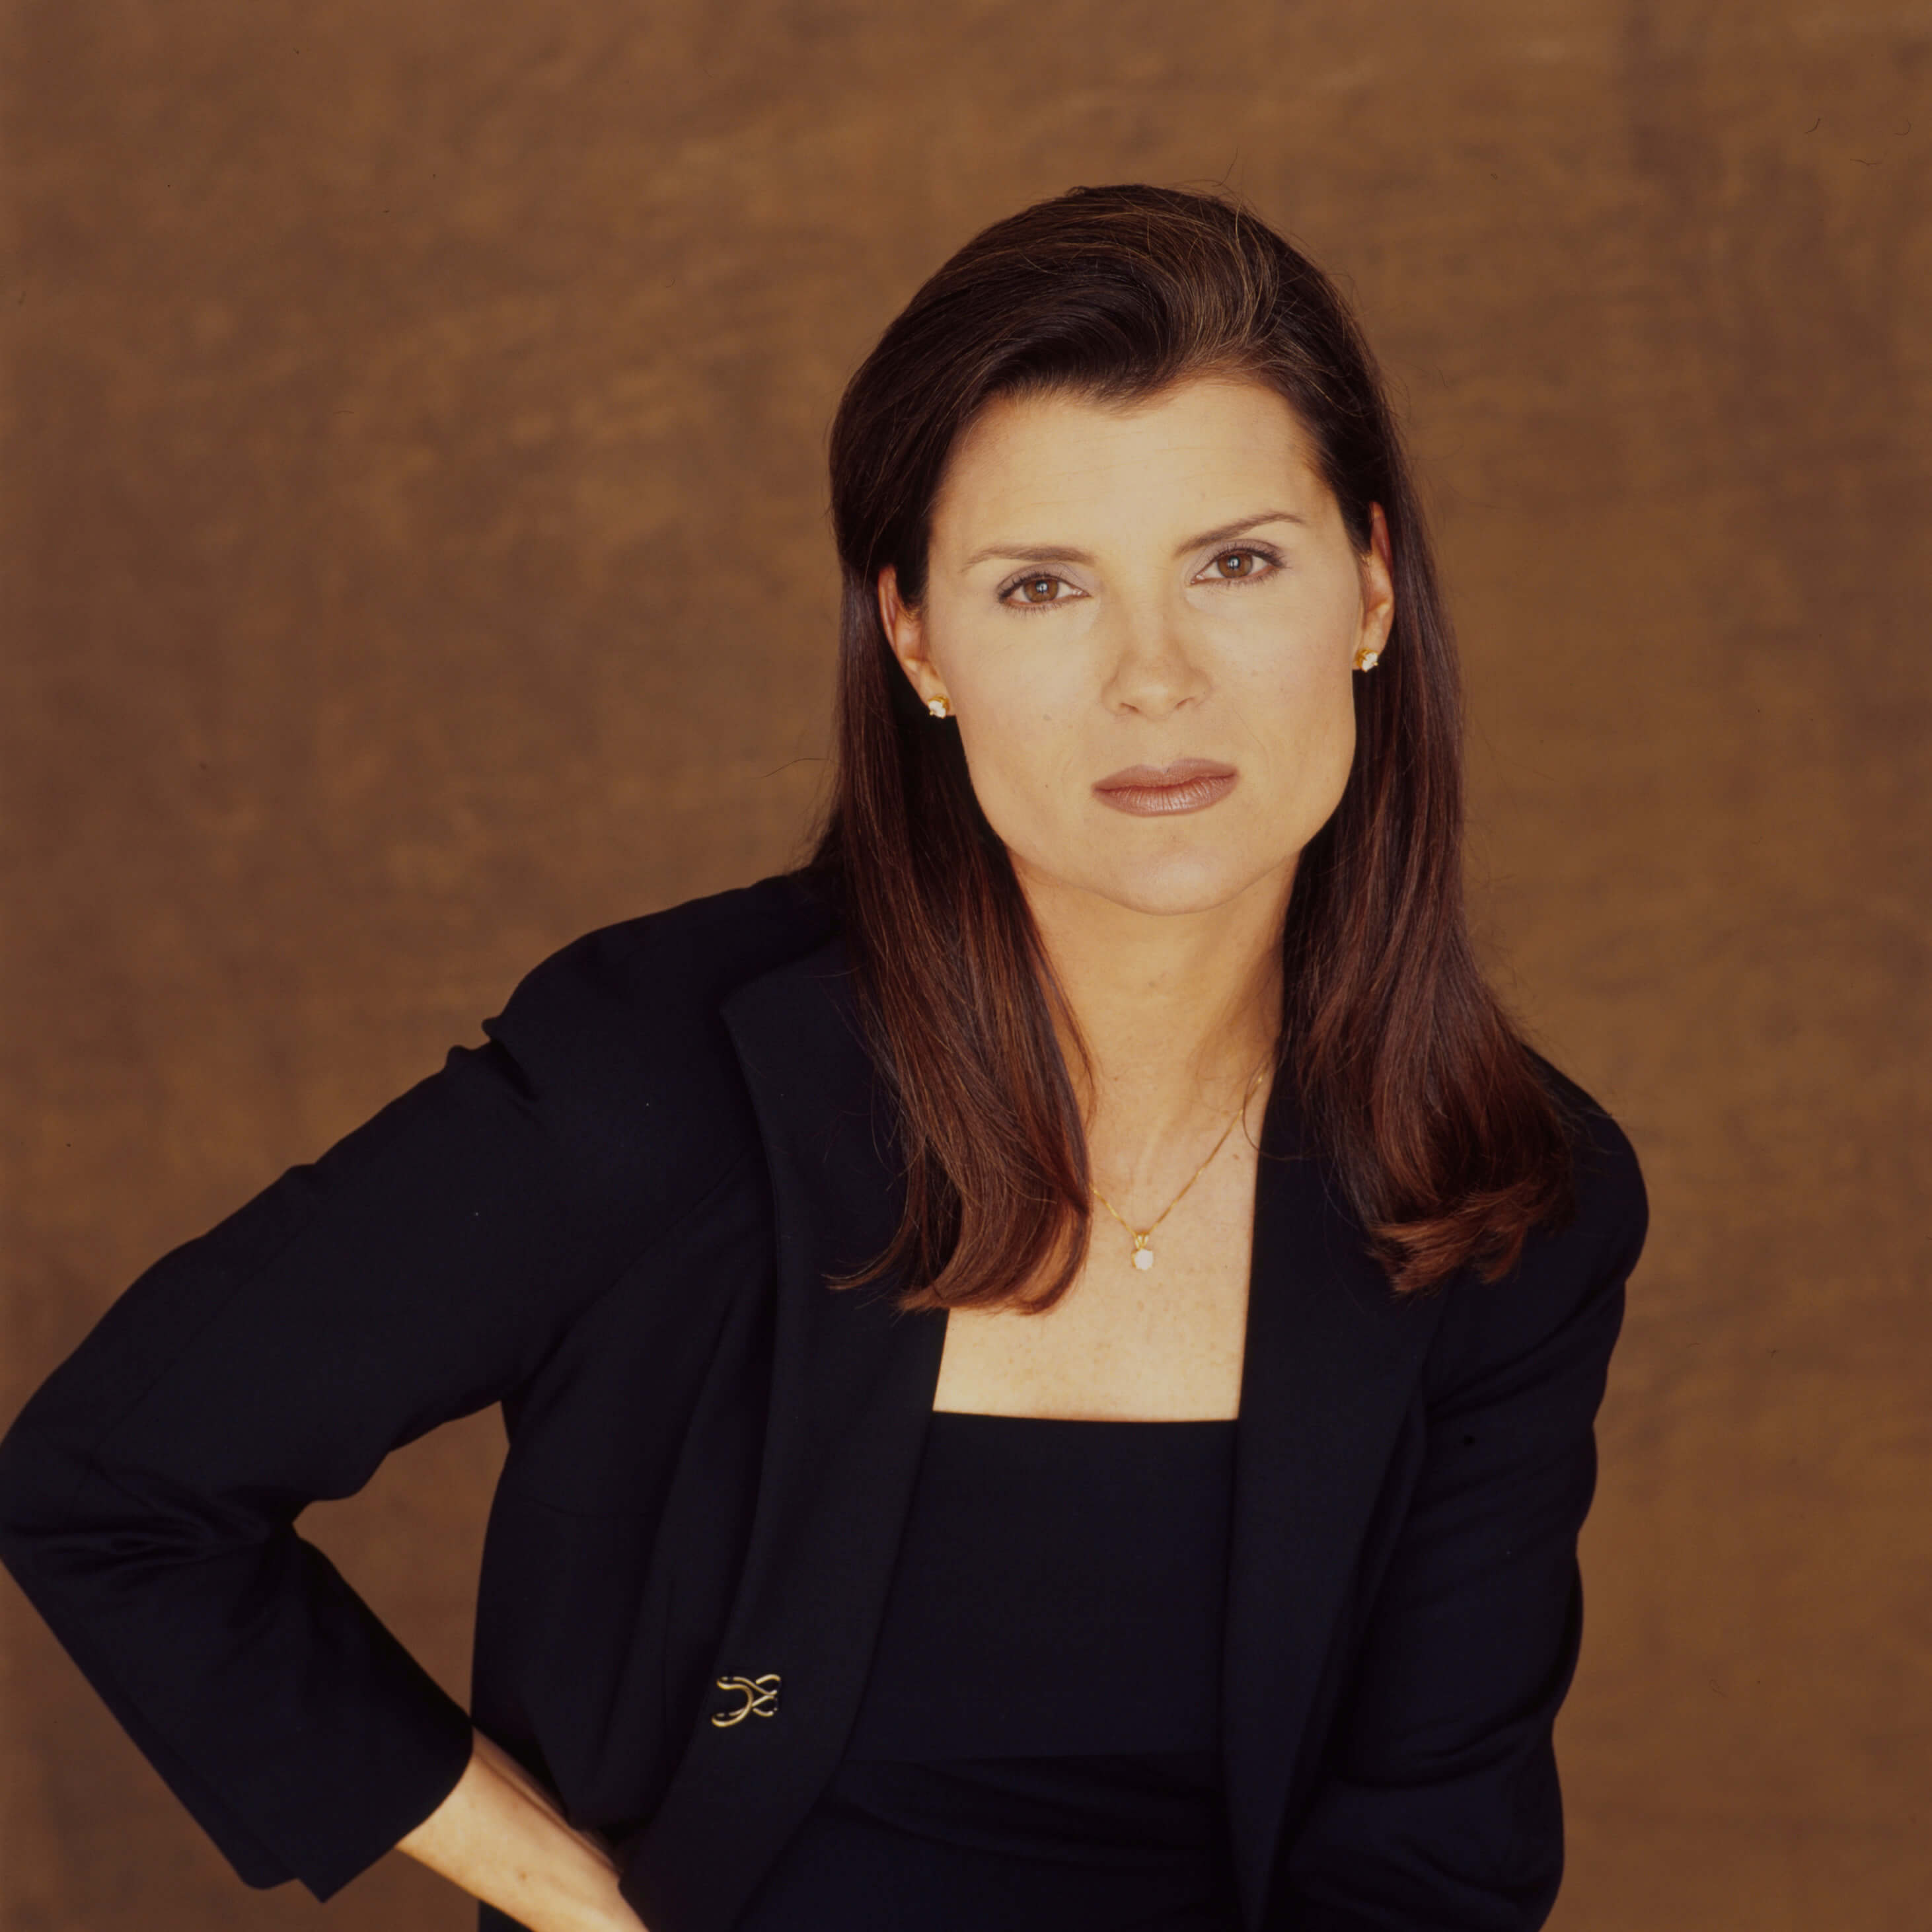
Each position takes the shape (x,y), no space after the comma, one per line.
(1038,1741)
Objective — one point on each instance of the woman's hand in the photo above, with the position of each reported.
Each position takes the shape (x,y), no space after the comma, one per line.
(501,1837)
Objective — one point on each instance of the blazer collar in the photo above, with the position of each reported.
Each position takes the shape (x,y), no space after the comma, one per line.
(1330,1363)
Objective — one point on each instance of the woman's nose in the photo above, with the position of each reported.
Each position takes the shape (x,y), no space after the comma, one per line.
(1153,671)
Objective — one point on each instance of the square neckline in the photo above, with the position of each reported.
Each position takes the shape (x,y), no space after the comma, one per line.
(979,1415)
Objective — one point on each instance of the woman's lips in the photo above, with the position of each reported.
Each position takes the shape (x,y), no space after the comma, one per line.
(1188,784)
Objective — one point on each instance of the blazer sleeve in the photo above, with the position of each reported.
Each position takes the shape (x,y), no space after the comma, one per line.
(149,1488)
(1439,1805)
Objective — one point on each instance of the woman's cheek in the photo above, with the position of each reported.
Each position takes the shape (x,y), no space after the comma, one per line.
(1011,769)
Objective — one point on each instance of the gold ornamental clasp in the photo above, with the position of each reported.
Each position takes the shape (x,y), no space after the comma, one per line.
(760,1695)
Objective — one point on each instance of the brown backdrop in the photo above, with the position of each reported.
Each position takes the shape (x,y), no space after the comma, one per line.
(416,555)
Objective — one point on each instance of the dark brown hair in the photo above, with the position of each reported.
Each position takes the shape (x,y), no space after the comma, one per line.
(1445,1142)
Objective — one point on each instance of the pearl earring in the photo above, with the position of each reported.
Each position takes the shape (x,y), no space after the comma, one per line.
(1366,660)
(939,707)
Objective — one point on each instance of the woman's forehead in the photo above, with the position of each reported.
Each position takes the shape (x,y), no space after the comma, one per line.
(1216,447)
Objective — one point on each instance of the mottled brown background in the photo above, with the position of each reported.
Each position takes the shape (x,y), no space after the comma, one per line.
(416,555)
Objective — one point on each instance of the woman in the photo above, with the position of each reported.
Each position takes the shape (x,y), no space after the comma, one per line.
(1050,1355)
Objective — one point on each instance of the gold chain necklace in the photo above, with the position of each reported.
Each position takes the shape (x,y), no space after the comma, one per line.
(1143,1254)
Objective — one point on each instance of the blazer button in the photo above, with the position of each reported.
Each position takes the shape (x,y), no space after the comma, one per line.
(759,1697)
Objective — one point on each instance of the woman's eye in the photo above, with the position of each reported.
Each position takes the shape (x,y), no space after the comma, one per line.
(1231,565)
(1036,590)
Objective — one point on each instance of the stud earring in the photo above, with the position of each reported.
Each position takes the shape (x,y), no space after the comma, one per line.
(939,707)
(1366,660)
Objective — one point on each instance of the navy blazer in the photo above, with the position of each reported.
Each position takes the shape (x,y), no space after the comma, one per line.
(616,1219)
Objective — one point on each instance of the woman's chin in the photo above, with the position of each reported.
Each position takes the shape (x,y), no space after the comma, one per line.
(1169,887)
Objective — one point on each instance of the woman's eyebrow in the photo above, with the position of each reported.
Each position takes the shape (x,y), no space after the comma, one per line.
(1066,553)
(1027,554)
(1241,528)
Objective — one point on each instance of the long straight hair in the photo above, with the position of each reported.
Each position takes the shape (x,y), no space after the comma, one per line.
(1445,1139)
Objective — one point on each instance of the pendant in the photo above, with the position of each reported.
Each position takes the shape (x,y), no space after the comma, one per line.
(1143,1254)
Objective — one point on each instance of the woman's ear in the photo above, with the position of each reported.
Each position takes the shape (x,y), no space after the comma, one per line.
(1378,585)
(906,633)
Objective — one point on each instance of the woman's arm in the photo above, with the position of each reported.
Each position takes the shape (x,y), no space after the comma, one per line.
(1437,1803)
(500,1836)
(150,1488)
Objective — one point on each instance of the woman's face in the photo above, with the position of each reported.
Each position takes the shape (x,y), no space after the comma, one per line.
(1146,619)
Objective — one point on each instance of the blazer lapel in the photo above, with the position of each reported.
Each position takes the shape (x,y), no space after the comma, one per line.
(1332,1357)
(852,1381)
(1330,1363)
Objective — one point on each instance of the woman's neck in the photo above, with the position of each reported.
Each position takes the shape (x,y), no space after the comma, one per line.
(1176,1010)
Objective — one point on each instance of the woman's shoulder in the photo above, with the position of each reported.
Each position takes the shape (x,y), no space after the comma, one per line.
(1560,1306)
(695,952)
(627,1019)
(1611,1208)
